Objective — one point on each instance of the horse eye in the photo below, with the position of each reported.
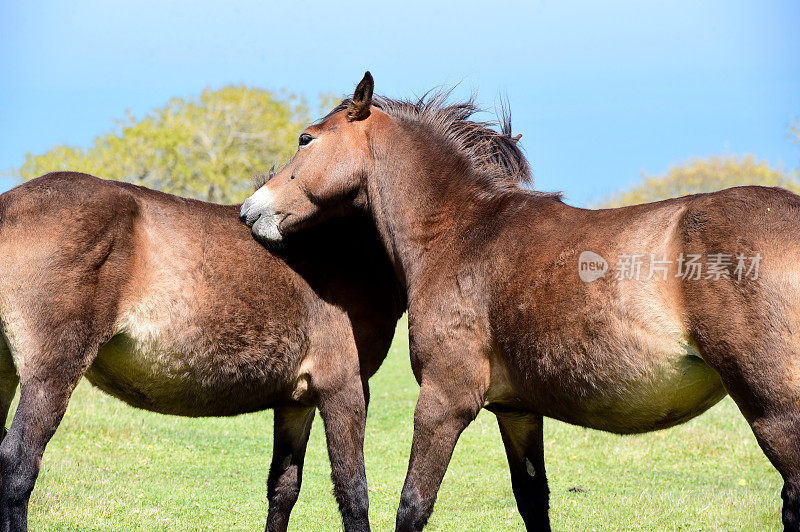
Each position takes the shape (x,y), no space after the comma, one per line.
(304,139)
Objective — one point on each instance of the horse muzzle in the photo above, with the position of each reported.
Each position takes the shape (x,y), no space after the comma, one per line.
(257,213)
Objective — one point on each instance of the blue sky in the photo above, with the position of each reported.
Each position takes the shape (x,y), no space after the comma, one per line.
(600,90)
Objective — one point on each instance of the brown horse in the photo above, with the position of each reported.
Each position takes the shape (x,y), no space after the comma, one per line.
(528,307)
(172,306)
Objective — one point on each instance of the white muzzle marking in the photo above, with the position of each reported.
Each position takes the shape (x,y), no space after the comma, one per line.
(257,212)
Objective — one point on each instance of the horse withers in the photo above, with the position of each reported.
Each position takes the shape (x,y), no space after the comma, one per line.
(626,320)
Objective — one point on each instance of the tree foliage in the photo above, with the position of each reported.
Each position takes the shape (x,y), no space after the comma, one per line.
(207,147)
(704,175)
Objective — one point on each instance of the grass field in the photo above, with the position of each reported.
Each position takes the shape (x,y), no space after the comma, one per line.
(111,467)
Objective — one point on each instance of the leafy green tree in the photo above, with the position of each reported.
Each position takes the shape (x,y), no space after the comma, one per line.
(704,175)
(207,147)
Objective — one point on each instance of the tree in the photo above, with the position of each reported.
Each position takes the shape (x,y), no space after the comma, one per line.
(704,175)
(207,147)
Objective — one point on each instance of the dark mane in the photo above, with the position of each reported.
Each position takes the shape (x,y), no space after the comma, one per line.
(494,154)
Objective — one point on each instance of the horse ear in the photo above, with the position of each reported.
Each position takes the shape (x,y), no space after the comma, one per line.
(362,99)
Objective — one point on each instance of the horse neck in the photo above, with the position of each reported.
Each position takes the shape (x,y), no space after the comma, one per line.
(421,200)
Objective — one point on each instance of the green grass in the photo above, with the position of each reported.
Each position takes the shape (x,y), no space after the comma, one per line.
(111,467)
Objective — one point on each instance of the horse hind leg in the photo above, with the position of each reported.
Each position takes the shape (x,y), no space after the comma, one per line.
(778,434)
(762,375)
(776,425)
(49,375)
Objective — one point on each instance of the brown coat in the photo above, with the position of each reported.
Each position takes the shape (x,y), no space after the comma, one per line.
(500,317)
(170,305)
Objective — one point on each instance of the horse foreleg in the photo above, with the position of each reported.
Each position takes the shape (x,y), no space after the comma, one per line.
(344,413)
(439,419)
(292,427)
(524,442)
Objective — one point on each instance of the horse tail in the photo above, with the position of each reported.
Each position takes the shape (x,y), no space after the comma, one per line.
(3,203)
(8,371)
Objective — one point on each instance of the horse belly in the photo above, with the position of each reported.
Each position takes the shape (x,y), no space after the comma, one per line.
(165,380)
(676,389)
(633,393)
